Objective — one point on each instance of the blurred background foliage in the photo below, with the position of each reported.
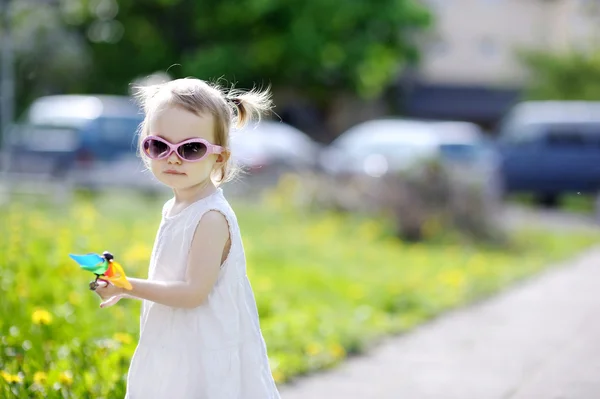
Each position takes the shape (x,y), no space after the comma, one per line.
(568,75)
(314,47)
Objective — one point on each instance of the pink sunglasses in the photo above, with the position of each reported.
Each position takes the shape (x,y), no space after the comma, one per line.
(192,150)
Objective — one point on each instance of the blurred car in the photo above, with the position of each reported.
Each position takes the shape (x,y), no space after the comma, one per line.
(88,140)
(549,148)
(377,147)
(273,146)
(470,155)
(58,134)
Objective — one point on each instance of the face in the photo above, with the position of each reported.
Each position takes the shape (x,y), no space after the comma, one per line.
(176,125)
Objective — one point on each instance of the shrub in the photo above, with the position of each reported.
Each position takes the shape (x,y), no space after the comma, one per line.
(424,203)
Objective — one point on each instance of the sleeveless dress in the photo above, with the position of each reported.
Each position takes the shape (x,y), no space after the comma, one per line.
(214,351)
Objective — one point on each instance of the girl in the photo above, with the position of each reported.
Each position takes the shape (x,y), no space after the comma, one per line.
(200,336)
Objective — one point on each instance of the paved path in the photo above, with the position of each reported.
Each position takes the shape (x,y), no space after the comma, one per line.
(519,216)
(539,340)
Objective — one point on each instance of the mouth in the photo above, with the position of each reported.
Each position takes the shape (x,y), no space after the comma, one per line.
(173,172)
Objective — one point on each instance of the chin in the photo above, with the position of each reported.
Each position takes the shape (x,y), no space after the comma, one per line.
(173,181)
(180,182)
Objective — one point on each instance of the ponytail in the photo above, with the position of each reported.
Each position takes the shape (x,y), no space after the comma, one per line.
(249,105)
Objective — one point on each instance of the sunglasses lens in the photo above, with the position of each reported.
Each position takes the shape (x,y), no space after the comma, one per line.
(155,148)
(192,151)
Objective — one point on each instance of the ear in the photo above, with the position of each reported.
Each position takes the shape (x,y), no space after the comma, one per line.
(223,157)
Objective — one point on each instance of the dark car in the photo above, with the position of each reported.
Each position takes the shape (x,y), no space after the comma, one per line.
(551,148)
(58,134)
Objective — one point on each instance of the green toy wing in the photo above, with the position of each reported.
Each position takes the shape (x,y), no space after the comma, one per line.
(91,262)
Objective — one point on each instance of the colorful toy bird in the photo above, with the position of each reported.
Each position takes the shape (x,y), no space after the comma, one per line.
(104,267)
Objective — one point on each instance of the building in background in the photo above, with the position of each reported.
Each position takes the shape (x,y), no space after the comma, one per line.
(469,69)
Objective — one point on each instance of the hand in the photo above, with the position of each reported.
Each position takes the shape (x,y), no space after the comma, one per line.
(109,293)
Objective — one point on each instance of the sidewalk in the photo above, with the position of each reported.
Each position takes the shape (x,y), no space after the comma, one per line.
(538,340)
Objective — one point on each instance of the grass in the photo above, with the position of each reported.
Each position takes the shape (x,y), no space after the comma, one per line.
(575,203)
(327,286)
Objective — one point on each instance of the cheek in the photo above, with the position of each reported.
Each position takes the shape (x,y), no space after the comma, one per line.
(202,167)
(155,165)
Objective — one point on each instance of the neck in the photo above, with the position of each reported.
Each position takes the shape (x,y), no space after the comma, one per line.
(194,193)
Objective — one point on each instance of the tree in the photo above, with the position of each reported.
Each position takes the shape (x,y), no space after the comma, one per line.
(50,56)
(315,47)
(572,75)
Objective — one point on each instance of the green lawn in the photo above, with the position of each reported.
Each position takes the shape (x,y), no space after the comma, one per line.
(326,286)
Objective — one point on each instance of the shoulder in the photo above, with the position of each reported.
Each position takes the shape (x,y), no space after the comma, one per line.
(214,223)
(214,218)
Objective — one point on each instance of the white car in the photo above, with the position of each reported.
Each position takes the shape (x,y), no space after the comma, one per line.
(265,145)
(378,147)
(465,150)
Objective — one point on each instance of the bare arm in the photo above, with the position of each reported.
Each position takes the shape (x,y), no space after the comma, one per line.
(204,262)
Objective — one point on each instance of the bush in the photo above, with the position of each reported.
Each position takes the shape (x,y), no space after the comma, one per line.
(424,203)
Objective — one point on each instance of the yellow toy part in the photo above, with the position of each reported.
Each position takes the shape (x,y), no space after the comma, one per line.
(116,275)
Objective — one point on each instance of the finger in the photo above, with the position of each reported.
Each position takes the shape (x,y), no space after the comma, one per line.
(110,301)
(102,283)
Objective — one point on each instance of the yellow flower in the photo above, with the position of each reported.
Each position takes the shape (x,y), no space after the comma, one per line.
(123,338)
(11,378)
(40,377)
(278,376)
(453,278)
(337,350)
(41,316)
(66,378)
(313,349)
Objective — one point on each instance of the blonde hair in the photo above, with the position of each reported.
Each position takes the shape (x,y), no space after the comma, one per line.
(199,97)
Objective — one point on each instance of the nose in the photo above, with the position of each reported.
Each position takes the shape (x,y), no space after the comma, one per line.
(174,159)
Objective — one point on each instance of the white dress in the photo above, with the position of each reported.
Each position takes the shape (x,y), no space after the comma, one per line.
(214,351)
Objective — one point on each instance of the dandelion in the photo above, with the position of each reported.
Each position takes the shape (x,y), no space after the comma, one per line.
(41,316)
(40,377)
(278,376)
(337,350)
(123,338)
(313,349)
(453,278)
(11,378)
(66,378)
